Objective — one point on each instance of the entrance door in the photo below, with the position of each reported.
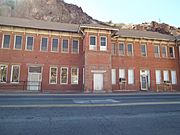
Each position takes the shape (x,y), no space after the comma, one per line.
(98,82)
(34,78)
(144,82)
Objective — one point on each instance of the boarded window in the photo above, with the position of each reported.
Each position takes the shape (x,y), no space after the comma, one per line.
(158,76)
(15,73)
(3,73)
(53,75)
(74,75)
(130,76)
(64,75)
(113,74)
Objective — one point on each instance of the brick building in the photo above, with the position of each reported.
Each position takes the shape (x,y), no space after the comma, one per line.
(37,55)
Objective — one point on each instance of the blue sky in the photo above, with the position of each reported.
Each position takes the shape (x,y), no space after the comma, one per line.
(132,11)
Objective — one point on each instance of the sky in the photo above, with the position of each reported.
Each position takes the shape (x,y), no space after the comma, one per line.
(132,11)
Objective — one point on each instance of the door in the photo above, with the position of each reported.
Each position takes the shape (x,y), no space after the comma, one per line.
(144,82)
(34,81)
(98,82)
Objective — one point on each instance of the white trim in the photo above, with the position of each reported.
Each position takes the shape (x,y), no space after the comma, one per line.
(158,76)
(157,56)
(32,43)
(2,45)
(166,51)
(6,71)
(173,77)
(76,76)
(72,46)
(50,69)
(98,71)
(61,75)
(165,78)
(145,50)
(132,49)
(103,48)
(113,76)
(15,42)
(12,73)
(124,51)
(41,44)
(131,78)
(122,73)
(92,47)
(62,45)
(52,44)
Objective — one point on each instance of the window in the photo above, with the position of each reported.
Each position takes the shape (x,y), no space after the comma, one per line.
(130,76)
(164,51)
(156,51)
(44,44)
(74,75)
(113,75)
(130,49)
(3,73)
(113,49)
(54,45)
(18,42)
(158,76)
(83,75)
(29,43)
(121,49)
(122,73)
(92,43)
(75,46)
(53,75)
(103,43)
(15,73)
(171,52)
(6,41)
(64,75)
(166,75)
(64,48)
(179,51)
(143,50)
(173,77)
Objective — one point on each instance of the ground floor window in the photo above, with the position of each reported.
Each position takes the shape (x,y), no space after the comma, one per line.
(158,76)
(74,75)
(15,73)
(3,73)
(64,75)
(173,77)
(113,74)
(130,76)
(122,73)
(53,75)
(166,75)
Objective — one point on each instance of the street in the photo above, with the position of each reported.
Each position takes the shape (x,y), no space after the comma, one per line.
(154,114)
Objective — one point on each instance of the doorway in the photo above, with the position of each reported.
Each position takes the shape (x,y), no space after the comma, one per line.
(144,79)
(98,82)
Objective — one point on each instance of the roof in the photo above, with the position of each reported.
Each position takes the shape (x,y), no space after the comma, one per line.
(178,38)
(19,22)
(144,34)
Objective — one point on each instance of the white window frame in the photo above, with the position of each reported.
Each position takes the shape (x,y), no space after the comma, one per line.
(166,52)
(173,77)
(77,77)
(122,73)
(123,50)
(113,49)
(52,44)
(62,45)
(113,76)
(72,47)
(61,75)
(50,74)
(132,53)
(32,44)
(2,45)
(12,73)
(130,78)
(157,55)
(41,44)
(15,42)
(165,72)
(6,71)
(92,47)
(103,48)
(142,54)
(158,76)
(173,52)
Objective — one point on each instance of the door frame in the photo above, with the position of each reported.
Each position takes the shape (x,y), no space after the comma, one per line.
(102,82)
(145,73)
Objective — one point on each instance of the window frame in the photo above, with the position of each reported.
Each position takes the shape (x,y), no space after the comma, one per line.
(166,55)
(2,45)
(173,52)
(142,54)
(50,77)
(52,44)
(6,72)
(16,35)
(132,53)
(159,80)
(113,49)
(166,71)
(77,77)
(103,48)
(62,51)
(41,44)
(32,43)
(124,48)
(174,82)
(91,46)
(130,80)
(157,55)
(12,73)
(113,80)
(77,48)
(124,73)
(61,75)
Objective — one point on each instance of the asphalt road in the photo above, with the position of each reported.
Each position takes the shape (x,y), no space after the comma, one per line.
(90,115)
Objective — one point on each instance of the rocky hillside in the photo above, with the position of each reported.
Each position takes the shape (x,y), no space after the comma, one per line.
(47,10)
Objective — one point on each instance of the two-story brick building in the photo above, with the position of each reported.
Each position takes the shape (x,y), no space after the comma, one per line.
(37,55)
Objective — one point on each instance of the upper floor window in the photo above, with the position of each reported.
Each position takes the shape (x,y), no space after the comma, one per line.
(171,52)
(44,44)
(65,47)
(15,73)
(113,49)
(3,73)
(18,42)
(130,49)
(54,45)
(6,41)
(103,43)
(164,51)
(156,51)
(93,42)
(143,50)
(75,46)
(121,49)
(29,43)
